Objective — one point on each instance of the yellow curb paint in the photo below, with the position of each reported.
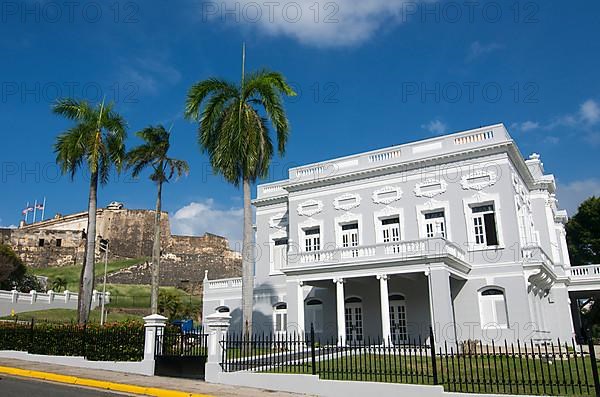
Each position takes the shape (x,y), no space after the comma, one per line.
(98,384)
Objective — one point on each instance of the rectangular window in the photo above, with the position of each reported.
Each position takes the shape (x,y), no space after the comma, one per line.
(435,224)
(59,242)
(484,225)
(350,237)
(279,253)
(390,229)
(312,240)
(41,242)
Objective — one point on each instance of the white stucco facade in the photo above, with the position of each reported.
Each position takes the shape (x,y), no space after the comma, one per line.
(458,232)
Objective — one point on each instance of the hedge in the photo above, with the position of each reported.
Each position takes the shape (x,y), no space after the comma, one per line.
(113,342)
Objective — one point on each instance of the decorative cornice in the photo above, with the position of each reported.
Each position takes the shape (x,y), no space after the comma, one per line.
(387,200)
(318,207)
(418,190)
(345,197)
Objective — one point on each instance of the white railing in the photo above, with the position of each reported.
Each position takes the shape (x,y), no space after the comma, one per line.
(385,156)
(49,297)
(402,250)
(478,137)
(225,283)
(588,271)
(319,169)
(535,253)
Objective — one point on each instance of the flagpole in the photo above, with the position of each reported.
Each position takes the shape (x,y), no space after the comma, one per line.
(34,211)
(27,212)
(44,209)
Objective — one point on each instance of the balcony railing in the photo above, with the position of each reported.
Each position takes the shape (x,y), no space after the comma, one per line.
(585,272)
(225,283)
(401,250)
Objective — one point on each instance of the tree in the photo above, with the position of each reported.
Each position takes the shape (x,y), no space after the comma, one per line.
(583,233)
(234,132)
(96,142)
(154,153)
(59,284)
(12,269)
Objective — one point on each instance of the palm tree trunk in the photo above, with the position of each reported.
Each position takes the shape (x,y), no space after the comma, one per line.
(247,262)
(156,252)
(87,284)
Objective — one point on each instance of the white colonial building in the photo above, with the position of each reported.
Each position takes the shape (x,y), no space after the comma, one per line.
(458,232)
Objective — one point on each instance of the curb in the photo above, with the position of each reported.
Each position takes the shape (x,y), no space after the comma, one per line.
(98,384)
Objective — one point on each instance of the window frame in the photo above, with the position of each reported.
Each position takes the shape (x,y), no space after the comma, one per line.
(388,213)
(476,201)
(492,298)
(434,206)
(283,313)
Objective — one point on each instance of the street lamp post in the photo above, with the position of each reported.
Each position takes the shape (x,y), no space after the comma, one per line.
(104,247)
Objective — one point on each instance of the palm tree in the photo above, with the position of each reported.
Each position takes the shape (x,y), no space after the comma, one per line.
(234,132)
(95,142)
(59,284)
(154,153)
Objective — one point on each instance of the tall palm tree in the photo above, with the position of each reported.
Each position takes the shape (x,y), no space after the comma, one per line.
(154,153)
(96,142)
(234,132)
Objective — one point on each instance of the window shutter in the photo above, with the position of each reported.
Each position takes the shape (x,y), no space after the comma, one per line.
(491,236)
(501,310)
(487,312)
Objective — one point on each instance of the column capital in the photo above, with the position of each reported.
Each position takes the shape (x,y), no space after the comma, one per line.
(383,277)
(338,280)
(300,283)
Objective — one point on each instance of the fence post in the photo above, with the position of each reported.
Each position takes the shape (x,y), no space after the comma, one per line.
(31,335)
(312,349)
(433,358)
(154,326)
(593,362)
(217,325)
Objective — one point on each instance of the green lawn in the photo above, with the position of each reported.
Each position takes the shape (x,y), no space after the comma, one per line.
(486,374)
(71,274)
(68,315)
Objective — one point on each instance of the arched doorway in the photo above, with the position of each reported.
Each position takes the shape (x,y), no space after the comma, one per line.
(354,320)
(398,327)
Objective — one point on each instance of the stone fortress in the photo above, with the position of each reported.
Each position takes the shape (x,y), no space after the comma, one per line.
(184,259)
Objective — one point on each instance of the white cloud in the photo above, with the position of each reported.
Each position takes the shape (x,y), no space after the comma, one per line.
(435,127)
(324,24)
(525,126)
(590,111)
(572,194)
(148,74)
(197,218)
(477,49)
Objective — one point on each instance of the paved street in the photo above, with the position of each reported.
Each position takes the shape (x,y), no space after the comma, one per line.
(19,387)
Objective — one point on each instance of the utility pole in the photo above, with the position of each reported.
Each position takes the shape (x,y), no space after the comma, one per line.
(104,244)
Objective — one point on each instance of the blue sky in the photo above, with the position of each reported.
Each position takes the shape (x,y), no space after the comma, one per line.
(370,74)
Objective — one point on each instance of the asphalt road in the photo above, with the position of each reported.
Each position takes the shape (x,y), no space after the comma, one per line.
(19,387)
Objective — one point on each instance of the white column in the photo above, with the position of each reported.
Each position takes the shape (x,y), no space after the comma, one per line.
(300,308)
(386,330)
(340,310)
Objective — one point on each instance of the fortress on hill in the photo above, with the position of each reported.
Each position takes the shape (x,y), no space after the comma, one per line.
(60,242)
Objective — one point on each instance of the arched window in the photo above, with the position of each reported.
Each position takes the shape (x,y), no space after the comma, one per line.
(280,318)
(314,315)
(492,308)
(354,299)
(222,309)
(397,297)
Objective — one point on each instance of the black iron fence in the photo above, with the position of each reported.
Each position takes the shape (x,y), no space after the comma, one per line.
(542,368)
(172,341)
(113,342)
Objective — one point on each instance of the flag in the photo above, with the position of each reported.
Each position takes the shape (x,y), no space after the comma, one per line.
(39,207)
(27,210)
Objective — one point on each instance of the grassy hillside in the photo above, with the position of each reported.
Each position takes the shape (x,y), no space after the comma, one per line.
(67,315)
(71,273)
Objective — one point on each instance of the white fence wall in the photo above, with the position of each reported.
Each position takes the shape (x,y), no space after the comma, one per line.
(20,302)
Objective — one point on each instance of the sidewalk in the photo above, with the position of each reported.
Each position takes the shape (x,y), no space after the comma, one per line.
(184,385)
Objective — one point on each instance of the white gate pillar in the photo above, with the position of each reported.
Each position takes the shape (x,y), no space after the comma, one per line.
(217,325)
(154,326)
